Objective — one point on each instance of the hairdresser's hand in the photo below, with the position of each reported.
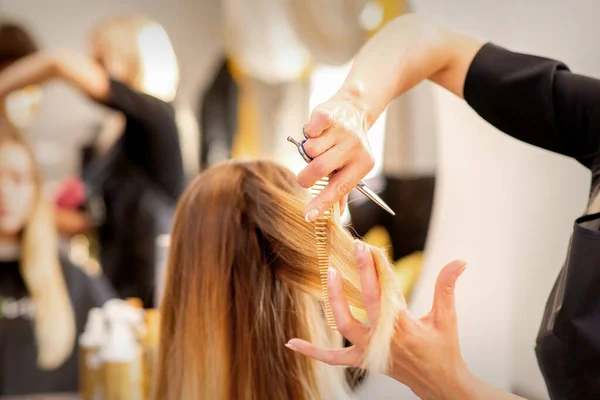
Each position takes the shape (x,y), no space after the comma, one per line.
(425,352)
(337,132)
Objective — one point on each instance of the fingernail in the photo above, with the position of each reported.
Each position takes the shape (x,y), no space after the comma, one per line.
(312,215)
(461,269)
(291,347)
(331,274)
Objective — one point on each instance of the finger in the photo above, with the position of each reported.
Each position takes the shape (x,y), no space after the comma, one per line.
(443,299)
(369,282)
(320,120)
(339,185)
(322,166)
(314,147)
(343,204)
(349,356)
(345,322)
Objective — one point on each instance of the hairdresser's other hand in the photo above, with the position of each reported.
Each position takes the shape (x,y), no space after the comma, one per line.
(425,352)
(337,140)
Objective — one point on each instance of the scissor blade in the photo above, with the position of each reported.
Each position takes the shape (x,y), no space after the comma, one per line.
(367,191)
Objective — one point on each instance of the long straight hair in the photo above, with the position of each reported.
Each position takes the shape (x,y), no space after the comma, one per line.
(39,266)
(243,279)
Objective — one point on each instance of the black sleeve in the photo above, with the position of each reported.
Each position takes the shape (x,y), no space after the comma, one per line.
(536,100)
(153,141)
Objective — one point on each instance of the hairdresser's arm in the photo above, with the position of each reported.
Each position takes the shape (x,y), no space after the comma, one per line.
(77,69)
(71,222)
(407,51)
(425,352)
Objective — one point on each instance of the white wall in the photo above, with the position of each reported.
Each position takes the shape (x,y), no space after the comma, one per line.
(502,205)
(66,118)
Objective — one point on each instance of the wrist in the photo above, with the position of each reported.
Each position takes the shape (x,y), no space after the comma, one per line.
(460,384)
(466,386)
(354,93)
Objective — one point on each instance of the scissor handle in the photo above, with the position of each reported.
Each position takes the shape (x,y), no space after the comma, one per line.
(300,147)
(304,153)
(304,132)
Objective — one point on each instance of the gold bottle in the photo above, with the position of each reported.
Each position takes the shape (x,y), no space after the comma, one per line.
(150,344)
(122,355)
(90,363)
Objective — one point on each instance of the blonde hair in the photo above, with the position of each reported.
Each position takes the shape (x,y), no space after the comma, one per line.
(243,279)
(41,271)
(138,51)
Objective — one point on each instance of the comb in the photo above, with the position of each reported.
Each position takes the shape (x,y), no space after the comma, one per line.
(322,243)
(321,231)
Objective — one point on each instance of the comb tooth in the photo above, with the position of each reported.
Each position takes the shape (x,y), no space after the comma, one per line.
(321,231)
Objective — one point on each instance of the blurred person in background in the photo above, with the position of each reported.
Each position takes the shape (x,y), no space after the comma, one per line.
(135,171)
(44,299)
(16,43)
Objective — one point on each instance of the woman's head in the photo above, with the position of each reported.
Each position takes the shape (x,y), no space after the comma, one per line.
(242,280)
(15,43)
(26,218)
(19,183)
(137,51)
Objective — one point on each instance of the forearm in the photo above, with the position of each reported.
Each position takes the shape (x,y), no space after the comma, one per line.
(407,51)
(76,69)
(477,389)
(457,383)
(35,69)
(70,223)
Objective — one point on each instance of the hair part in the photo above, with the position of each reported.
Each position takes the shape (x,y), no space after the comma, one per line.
(243,279)
(40,268)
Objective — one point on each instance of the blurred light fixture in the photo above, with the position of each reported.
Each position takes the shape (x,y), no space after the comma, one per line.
(371,16)
(159,62)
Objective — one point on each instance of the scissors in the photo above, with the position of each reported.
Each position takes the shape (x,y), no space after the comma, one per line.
(362,186)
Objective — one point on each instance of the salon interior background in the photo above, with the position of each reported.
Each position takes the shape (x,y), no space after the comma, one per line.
(502,205)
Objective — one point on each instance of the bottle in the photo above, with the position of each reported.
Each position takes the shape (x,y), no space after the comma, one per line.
(121,353)
(141,333)
(150,343)
(90,363)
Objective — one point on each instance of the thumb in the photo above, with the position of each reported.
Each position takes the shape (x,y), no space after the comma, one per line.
(319,121)
(443,299)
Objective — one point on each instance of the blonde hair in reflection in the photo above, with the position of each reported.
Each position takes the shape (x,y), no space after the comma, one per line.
(40,268)
(242,280)
(138,51)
